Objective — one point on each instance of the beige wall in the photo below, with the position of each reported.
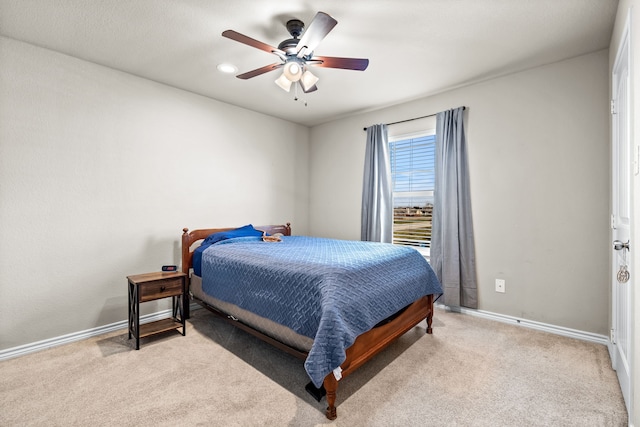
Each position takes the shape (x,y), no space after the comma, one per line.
(101,170)
(539,162)
(628,10)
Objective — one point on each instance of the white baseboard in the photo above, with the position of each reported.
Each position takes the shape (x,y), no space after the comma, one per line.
(558,330)
(77,336)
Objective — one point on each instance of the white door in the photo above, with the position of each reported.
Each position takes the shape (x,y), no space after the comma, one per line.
(622,248)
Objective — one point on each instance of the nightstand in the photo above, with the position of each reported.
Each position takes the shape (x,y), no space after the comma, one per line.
(151,287)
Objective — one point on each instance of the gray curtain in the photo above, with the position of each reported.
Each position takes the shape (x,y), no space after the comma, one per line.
(377,203)
(452,242)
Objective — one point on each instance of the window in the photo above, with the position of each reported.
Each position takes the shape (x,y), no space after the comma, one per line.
(413,182)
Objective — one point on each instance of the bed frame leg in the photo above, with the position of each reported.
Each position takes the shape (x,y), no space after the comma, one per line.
(429,321)
(331,386)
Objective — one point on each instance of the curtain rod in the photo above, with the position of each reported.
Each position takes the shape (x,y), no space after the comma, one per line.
(415,118)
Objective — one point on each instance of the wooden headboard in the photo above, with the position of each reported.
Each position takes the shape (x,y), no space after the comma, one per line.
(191,237)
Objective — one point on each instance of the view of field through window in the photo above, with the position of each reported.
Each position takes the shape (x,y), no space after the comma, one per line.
(413,180)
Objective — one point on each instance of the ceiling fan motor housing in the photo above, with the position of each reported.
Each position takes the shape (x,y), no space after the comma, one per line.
(289,46)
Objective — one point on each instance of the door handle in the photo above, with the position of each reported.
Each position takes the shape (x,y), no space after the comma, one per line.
(618,245)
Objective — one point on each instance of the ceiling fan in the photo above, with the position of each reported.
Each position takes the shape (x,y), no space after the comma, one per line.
(296,54)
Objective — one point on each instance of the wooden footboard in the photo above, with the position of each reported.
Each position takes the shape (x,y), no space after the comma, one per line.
(372,342)
(365,346)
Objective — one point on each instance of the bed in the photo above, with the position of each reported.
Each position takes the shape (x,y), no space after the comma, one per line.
(333,303)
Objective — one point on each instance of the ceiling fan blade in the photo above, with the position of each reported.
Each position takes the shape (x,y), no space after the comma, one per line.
(311,89)
(313,35)
(234,35)
(359,64)
(259,71)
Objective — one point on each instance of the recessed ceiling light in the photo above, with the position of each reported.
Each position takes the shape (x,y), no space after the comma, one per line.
(227,68)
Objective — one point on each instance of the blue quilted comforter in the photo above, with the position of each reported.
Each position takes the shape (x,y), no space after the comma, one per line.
(326,289)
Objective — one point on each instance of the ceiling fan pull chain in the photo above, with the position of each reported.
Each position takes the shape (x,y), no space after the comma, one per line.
(296,96)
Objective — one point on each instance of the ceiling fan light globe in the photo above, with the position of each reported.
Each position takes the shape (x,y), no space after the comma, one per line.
(284,82)
(292,71)
(308,79)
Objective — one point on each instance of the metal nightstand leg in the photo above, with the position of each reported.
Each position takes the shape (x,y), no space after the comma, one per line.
(134,318)
(178,312)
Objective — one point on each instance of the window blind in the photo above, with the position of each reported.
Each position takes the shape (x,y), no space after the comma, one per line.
(413,179)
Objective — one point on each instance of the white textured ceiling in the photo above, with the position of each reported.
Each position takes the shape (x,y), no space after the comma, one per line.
(415,47)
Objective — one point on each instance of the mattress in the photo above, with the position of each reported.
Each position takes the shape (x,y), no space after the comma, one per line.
(268,327)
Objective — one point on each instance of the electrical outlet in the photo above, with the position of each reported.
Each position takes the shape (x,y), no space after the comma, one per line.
(500,285)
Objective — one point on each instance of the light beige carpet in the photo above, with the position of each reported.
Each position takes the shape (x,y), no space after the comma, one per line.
(470,372)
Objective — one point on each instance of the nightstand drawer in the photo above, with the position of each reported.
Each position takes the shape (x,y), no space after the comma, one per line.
(160,289)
